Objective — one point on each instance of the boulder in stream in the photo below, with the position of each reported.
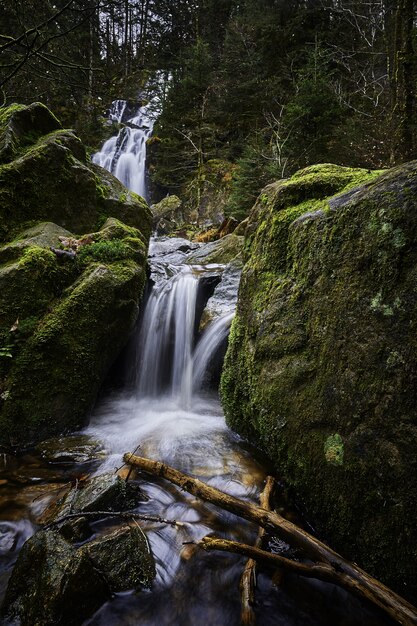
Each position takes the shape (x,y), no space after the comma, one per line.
(321,368)
(57,583)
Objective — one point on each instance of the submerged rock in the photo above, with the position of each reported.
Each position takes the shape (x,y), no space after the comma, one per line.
(70,450)
(321,368)
(63,321)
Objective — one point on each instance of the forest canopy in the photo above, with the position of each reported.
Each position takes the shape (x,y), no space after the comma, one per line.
(260,88)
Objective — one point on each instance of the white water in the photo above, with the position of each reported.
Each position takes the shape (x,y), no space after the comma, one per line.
(166,339)
(210,342)
(124,155)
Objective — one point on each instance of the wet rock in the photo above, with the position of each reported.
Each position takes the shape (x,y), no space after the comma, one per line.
(70,450)
(219,252)
(107,492)
(53,584)
(124,558)
(56,583)
(224,298)
(76,530)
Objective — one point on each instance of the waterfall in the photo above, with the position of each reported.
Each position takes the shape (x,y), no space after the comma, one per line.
(166,338)
(124,155)
(213,337)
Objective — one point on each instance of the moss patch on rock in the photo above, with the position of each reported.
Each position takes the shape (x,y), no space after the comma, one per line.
(321,368)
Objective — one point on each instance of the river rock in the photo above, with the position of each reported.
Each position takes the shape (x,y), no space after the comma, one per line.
(70,450)
(321,368)
(124,558)
(57,583)
(63,321)
(105,492)
(53,584)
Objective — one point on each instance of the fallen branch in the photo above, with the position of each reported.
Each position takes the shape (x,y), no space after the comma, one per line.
(248,578)
(121,514)
(344,573)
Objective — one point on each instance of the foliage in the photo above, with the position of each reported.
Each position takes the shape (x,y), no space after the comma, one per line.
(104,252)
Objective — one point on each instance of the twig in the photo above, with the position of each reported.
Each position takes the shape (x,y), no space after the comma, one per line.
(345,573)
(121,514)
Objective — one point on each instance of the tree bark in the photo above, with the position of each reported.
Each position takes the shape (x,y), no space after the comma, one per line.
(344,573)
(248,578)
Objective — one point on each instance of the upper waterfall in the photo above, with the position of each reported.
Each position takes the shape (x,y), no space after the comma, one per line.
(124,155)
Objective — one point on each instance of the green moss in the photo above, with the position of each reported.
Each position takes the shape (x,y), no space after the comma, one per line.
(104,251)
(334,450)
(38,259)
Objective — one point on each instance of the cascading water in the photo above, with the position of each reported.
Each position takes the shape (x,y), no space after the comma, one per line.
(166,339)
(210,342)
(124,155)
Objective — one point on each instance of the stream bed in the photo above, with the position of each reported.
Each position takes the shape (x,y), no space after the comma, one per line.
(165,406)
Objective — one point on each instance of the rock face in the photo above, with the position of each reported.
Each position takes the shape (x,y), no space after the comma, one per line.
(321,368)
(63,318)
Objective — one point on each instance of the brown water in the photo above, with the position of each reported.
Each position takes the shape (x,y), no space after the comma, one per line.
(192,587)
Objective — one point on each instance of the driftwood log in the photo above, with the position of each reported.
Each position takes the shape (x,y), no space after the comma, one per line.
(334,567)
(248,578)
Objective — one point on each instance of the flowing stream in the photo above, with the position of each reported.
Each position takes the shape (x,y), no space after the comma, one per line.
(168,409)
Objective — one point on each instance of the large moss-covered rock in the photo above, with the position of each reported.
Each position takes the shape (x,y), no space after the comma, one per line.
(63,317)
(321,368)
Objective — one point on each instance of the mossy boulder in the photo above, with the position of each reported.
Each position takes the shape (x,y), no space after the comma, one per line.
(22,125)
(167,215)
(321,368)
(64,317)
